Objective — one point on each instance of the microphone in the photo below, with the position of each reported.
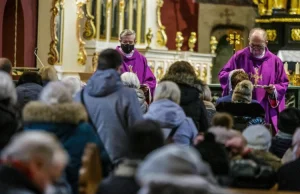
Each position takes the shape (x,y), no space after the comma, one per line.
(35,53)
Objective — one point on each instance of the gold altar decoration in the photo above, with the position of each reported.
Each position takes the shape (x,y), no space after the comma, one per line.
(295,7)
(264,6)
(279,4)
(149,37)
(256,77)
(89,28)
(271,20)
(159,72)
(53,55)
(192,41)
(295,34)
(271,34)
(213,44)
(161,34)
(95,61)
(121,15)
(179,41)
(82,56)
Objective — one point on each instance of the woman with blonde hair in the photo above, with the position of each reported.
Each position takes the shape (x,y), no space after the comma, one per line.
(48,74)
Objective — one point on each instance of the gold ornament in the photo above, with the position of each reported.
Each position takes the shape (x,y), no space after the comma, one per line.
(149,37)
(295,34)
(213,44)
(179,41)
(192,41)
(81,56)
(271,34)
(264,6)
(89,27)
(161,33)
(95,61)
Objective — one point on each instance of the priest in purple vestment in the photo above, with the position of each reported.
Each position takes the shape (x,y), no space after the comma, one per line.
(135,62)
(266,72)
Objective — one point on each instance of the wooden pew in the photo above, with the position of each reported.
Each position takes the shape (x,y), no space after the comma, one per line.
(90,173)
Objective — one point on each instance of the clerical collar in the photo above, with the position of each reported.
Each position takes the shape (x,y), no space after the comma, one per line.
(125,54)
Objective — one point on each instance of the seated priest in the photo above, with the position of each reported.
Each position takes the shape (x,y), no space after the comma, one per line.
(134,61)
(266,71)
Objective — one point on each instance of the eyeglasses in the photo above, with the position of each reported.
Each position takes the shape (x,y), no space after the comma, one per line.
(129,42)
(257,47)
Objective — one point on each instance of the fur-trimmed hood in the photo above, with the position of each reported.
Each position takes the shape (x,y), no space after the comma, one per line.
(70,113)
(184,78)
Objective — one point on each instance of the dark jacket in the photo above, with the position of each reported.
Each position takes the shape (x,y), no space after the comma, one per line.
(190,101)
(211,111)
(10,122)
(288,176)
(281,143)
(113,108)
(12,181)
(68,121)
(28,92)
(122,180)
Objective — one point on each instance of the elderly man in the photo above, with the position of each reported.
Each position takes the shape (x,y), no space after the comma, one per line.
(31,163)
(133,61)
(266,71)
(5,65)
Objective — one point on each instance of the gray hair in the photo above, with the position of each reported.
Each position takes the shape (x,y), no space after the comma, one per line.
(167,90)
(206,93)
(72,83)
(56,93)
(131,80)
(7,88)
(28,145)
(260,31)
(127,32)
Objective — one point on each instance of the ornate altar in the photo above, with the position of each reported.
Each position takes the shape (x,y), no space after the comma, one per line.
(281,20)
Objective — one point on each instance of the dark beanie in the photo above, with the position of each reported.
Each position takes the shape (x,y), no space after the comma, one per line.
(289,120)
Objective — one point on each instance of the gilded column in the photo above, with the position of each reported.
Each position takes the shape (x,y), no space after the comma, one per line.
(130,19)
(121,15)
(139,21)
(108,19)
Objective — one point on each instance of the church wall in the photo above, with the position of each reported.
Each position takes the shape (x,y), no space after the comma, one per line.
(211,15)
(179,15)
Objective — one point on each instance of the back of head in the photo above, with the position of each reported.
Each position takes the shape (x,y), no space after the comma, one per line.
(7,88)
(289,120)
(237,77)
(222,120)
(48,73)
(55,93)
(30,77)
(167,90)
(130,80)
(109,59)
(5,65)
(258,32)
(72,83)
(206,93)
(258,137)
(243,92)
(144,137)
(182,67)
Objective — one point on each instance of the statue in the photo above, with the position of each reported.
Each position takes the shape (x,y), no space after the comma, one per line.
(192,41)
(213,44)
(280,4)
(295,7)
(149,37)
(179,41)
(264,6)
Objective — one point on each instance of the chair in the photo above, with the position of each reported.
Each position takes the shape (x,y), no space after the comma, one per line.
(90,173)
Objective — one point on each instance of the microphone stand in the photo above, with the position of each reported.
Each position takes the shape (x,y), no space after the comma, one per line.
(35,53)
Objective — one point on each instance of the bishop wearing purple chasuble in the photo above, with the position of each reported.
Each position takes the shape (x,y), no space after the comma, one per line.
(135,62)
(265,69)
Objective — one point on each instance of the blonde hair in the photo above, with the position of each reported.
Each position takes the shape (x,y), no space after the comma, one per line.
(167,90)
(130,80)
(48,73)
(222,120)
(127,32)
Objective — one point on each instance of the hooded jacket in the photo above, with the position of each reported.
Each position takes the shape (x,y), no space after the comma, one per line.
(68,122)
(170,115)
(113,109)
(28,92)
(190,101)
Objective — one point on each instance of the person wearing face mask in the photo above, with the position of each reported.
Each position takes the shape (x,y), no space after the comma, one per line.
(288,175)
(135,62)
(265,70)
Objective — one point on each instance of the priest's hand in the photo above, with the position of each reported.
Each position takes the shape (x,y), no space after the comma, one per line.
(270,89)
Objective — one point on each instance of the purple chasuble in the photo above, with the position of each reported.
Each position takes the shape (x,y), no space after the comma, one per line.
(137,63)
(271,69)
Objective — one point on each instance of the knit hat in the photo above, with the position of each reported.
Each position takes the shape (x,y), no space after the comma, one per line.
(258,137)
(243,92)
(174,161)
(289,120)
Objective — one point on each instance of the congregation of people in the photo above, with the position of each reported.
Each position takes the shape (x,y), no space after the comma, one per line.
(153,138)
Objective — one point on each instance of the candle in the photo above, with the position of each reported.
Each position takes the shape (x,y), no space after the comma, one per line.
(286,67)
(297,68)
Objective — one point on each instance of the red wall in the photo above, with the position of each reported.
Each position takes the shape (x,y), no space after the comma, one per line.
(180,15)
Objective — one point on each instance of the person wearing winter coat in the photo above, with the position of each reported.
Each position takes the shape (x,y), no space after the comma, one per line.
(183,74)
(56,113)
(166,110)
(131,80)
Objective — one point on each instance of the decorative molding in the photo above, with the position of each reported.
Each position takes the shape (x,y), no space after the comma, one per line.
(82,56)
(161,33)
(271,20)
(53,55)
(295,34)
(121,15)
(228,2)
(89,28)
(271,34)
